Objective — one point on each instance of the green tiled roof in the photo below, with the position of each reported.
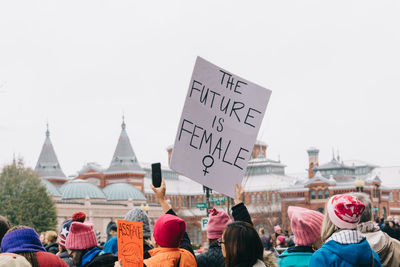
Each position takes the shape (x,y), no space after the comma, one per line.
(123,191)
(78,189)
(51,189)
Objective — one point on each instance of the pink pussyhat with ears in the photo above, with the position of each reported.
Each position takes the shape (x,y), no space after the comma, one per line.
(306,225)
(217,222)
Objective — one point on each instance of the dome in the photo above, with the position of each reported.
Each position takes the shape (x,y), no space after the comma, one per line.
(51,189)
(78,189)
(123,191)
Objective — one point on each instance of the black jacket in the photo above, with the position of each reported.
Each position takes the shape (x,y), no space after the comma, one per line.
(65,257)
(105,260)
(213,257)
(52,248)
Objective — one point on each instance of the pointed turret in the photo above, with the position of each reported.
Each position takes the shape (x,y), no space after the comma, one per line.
(124,159)
(48,166)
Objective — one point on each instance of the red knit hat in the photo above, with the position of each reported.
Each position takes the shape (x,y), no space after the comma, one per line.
(345,211)
(306,225)
(168,231)
(81,236)
(217,221)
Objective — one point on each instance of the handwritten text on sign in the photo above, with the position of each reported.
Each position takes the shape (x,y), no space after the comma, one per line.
(218,128)
(130,243)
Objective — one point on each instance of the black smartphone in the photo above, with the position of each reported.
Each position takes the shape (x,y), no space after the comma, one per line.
(156,174)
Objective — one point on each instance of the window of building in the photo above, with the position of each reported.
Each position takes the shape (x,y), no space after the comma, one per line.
(258,198)
(326,193)
(399,196)
(319,194)
(265,197)
(252,199)
(273,197)
(391,196)
(313,194)
(278,196)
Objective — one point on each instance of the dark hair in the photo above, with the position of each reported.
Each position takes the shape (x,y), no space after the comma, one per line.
(242,244)
(77,258)
(113,228)
(4,226)
(29,256)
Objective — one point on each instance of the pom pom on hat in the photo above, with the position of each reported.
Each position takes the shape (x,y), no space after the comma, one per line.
(305,224)
(168,231)
(81,236)
(345,211)
(79,216)
(217,221)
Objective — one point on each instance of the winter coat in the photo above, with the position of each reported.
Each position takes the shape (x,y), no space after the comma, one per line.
(333,253)
(296,256)
(111,246)
(52,248)
(266,241)
(389,230)
(386,247)
(170,257)
(213,257)
(65,257)
(97,258)
(47,259)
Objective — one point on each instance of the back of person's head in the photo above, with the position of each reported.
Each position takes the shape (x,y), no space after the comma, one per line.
(51,236)
(305,225)
(113,228)
(242,244)
(13,260)
(4,226)
(364,198)
(168,231)
(138,215)
(21,239)
(81,236)
(261,231)
(217,221)
(342,212)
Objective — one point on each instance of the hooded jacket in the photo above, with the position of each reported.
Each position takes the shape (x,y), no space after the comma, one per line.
(298,256)
(333,253)
(170,257)
(386,247)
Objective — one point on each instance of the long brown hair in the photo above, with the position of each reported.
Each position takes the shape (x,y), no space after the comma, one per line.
(29,256)
(242,244)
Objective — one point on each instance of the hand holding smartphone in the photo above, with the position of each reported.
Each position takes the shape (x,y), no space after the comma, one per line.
(156,174)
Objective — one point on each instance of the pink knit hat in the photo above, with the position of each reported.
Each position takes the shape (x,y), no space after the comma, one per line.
(217,221)
(306,225)
(277,228)
(81,236)
(345,211)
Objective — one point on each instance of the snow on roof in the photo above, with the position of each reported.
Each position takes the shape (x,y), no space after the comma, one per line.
(268,182)
(390,176)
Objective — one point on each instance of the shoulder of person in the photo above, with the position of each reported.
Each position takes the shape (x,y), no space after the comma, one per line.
(104,260)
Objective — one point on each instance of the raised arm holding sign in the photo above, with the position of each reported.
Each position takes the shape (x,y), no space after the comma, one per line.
(218,127)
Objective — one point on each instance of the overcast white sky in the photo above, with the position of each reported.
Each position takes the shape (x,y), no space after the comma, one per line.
(333,67)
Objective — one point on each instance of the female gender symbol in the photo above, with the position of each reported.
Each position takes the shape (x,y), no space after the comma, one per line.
(211,162)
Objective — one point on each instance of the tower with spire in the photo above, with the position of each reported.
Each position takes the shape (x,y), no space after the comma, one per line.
(124,166)
(47,165)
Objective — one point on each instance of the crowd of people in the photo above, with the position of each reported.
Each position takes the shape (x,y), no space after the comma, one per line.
(345,235)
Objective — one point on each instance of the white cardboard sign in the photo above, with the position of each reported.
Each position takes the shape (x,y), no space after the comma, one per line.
(218,128)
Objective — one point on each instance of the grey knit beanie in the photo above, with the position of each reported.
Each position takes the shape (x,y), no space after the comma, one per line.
(138,215)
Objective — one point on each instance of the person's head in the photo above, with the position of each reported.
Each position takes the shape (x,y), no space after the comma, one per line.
(42,238)
(138,215)
(81,238)
(4,226)
(168,231)
(217,221)
(305,225)
(113,230)
(24,241)
(241,244)
(343,212)
(281,240)
(64,231)
(277,229)
(50,237)
(13,260)
(261,231)
(364,198)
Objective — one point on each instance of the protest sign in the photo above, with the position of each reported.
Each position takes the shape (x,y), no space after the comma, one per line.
(130,243)
(218,127)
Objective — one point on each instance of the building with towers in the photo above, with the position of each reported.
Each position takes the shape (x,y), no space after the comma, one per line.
(106,194)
